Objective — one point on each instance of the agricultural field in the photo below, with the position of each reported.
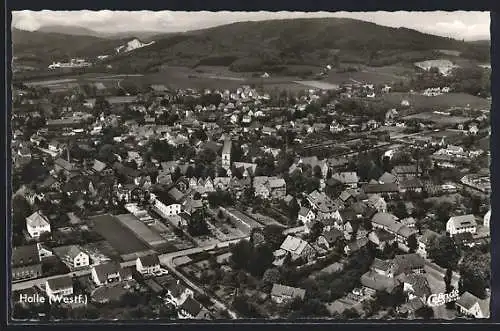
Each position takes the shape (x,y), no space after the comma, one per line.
(438,118)
(372,75)
(440,102)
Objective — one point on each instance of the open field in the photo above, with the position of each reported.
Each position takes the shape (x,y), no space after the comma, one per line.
(141,230)
(122,239)
(438,118)
(371,75)
(443,101)
(318,84)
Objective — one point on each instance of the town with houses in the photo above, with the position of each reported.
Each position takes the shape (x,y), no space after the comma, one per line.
(324,202)
(229,204)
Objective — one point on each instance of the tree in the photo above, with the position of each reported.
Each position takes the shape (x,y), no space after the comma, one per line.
(274,236)
(293,209)
(261,259)
(317,172)
(197,225)
(271,276)
(412,243)
(475,272)
(444,252)
(316,230)
(400,210)
(241,253)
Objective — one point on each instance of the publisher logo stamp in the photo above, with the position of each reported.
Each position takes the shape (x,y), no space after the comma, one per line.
(439,299)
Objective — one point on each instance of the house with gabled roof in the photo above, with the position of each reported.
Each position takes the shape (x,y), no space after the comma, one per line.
(298,248)
(424,241)
(461,224)
(26,263)
(192,309)
(409,264)
(348,178)
(73,256)
(59,286)
(282,293)
(306,216)
(147,264)
(471,306)
(110,272)
(36,224)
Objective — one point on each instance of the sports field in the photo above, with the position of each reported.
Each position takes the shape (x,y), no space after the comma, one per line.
(120,238)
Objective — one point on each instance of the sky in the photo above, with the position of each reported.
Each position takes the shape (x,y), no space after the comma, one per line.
(458,24)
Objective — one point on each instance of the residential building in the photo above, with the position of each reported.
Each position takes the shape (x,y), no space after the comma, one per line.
(424,241)
(73,256)
(348,178)
(282,293)
(36,224)
(192,309)
(461,224)
(306,216)
(298,248)
(26,262)
(177,293)
(147,264)
(60,286)
(110,272)
(471,306)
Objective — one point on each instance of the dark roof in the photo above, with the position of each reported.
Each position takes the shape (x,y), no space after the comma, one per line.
(25,255)
(411,183)
(405,263)
(192,306)
(58,283)
(149,260)
(381,188)
(332,235)
(126,171)
(105,269)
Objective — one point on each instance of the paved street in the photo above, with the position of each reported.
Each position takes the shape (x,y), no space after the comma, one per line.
(40,281)
(167,261)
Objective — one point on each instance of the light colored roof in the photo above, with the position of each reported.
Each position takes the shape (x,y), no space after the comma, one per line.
(294,245)
(378,282)
(287,291)
(99,166)
(277,182)
(467,300)
(303,211)
(427,235)
(385,219)
(227,147)
(464,220)
(346,177)
(37,220)
(387,178)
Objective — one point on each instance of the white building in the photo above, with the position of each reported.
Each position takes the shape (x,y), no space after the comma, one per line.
(148,264)
(461,224)
(167,210)
(486,219)
(226,154)
(60,286)
(37,224)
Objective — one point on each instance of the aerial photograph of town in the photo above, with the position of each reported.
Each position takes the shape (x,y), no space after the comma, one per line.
(177,166)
